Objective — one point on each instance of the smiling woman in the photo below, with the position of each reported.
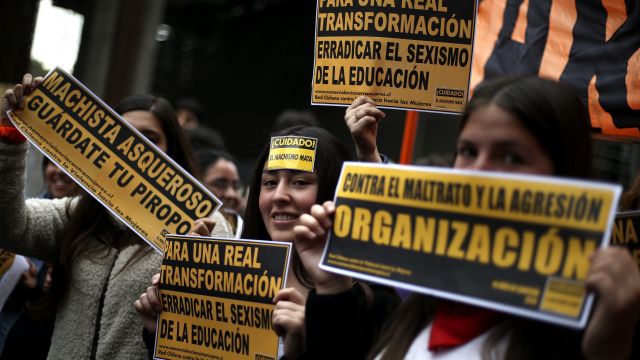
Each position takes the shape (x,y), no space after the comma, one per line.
(277,199)
(58,184)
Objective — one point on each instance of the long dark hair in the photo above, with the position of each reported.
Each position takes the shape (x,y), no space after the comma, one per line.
(89,220)
(330,154)
(555,116)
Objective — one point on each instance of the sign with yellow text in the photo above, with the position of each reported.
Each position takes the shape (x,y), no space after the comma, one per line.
(514,243)
(403,54)
(292,152)
(217,298)
(625,232)
(111,160)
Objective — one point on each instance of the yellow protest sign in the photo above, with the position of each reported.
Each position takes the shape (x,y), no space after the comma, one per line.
(403,54)
(514,243)
(217,298)
(625,232)
(292,152)
(111,160)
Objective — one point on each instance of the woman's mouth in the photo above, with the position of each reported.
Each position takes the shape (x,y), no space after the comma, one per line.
(284,217)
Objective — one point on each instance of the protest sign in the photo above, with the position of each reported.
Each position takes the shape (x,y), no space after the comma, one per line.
(111,160)
(292,152)
(217,297)
(518,244)
(625,232)
(403,54)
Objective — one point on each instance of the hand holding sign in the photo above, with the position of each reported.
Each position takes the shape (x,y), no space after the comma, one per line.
(310,240)
(149,305)
(14,98)
(203,227)
(288,321)
(363,119)
(615,278)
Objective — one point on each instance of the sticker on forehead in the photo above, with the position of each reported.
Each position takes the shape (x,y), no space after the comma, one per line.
(292,152)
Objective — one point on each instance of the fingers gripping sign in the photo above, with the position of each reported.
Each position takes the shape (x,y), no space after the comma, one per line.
(203,227)
(615,278)
(363,120)
(310,239)
(13,99)
(149,304)
(288,321)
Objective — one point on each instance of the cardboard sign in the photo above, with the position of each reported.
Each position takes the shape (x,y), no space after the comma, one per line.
(625,232)
(111,160)
(217,297)
(402,54)
(517,244)
(292,152)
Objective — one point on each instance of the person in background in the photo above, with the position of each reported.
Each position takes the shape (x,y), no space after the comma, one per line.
(101,266)
(290,117)
(189,112)
(220,175)
(521,125)
(57,183)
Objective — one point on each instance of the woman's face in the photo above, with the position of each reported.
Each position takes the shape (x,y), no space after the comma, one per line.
(494,140)
(58,183)
(223,180)
(284,196)
(147,123)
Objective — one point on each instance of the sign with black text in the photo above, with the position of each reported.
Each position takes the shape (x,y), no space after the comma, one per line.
(217,298)
(514,243)
(403,54)
(111,160)
(625,232)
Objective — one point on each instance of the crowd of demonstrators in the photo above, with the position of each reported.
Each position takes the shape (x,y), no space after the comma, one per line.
(521,125)
(517,125)
(100,265)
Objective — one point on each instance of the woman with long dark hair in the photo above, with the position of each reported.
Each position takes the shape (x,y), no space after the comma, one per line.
(521,125)
(277,199)
(100,265)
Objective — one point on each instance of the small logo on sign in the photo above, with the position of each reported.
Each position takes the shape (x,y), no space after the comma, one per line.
(454,93)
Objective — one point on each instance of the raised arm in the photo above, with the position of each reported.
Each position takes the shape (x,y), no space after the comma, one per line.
(363,120)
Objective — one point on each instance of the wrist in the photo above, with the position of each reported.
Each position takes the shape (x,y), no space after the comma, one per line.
(369,156)
(11,134)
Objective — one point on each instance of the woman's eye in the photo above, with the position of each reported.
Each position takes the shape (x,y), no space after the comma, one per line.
(300,182)
(466,151)
(268,182)
(513,158)
(151,137)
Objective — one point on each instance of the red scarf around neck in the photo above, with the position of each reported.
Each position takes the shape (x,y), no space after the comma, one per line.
(455,324)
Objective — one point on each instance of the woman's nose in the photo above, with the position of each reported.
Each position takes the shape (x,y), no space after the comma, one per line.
(482,163)
(281,192)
